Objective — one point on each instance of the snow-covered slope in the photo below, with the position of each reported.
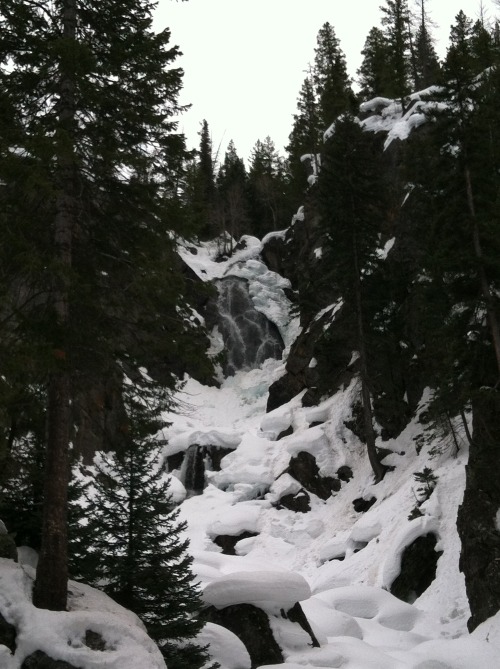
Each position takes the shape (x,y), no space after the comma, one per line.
(63,635)
(337,562)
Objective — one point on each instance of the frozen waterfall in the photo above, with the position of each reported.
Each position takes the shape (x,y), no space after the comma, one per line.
(249,337)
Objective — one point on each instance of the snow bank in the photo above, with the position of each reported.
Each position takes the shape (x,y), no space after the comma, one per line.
(61,634)
(282,589)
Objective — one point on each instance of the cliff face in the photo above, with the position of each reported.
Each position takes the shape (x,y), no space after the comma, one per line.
(402,359)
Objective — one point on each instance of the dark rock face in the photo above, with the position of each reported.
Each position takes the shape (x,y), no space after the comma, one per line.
(477,527)
(361,505)
(300,502)
(249,337)
(297,615)
(418,568)
(94,640)
(8,547)
(332,350)
(8,634)
(228,542)
(304,469)
(344,473)
(39,660)
(251,626)
(285,433)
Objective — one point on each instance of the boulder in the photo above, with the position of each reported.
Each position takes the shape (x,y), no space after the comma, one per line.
(228,542)
(304,469)
(418,568)
(8,634)
(251,625)
(39,660)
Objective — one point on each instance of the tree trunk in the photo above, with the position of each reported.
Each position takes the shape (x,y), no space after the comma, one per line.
(378,468)
(51,583)
(52,573)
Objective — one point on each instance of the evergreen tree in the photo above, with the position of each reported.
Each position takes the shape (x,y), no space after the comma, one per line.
(426,69)
(351,204)
(268,186)
(89,93)
(332,83)
(397,32)
(231,206)
(201,188)
(305,138)
(131,544)
(373,74)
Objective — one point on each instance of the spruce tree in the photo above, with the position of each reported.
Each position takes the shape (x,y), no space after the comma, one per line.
(332,83)
(88,143)
(231,205)
(268,187)
(426,69)
(305,137)
(200,186)
(397,31)
(373,74)
(351,204)
(130,543)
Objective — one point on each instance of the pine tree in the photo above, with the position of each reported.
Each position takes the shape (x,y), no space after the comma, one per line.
(130,543)
(89,93)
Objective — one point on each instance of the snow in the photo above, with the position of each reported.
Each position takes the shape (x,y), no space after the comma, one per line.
(61,634)
(261,588)
(338,563)
(229,650)
(347,560)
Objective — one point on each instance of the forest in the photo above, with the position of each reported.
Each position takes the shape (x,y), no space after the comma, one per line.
(381,220)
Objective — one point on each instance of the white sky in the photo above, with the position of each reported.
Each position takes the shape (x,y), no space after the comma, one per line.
(245,60)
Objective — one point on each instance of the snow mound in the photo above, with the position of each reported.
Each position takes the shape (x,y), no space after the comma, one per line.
(61,635)
(283,589)
(372,603)
(224,647)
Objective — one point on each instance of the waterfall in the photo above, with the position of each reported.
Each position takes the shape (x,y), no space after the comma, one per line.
(249,337)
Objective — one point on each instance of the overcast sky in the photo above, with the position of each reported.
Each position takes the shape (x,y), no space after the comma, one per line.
(245,60)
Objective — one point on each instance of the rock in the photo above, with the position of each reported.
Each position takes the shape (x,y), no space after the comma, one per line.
(418,568)
(298,502)
(332,350)
(361,505)
(285,433)
(8,547)
(251,625)
(228,542)
(304,469)
(344,473)
(8,634)
(94,640)
(39,660)
(297,615)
